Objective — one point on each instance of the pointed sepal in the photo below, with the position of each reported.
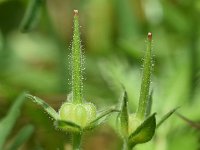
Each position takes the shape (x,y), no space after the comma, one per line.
(44,105)
(165,117)
(144,132)
(67,126)
(100,119)
(123,116)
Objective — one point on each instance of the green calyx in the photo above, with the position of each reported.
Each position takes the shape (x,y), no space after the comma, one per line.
(80,114)
(133,123)
(76,62)
(133,129)
(144,132)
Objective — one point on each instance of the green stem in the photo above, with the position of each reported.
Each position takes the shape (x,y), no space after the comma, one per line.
(77,141)
(76,62)
(126,146)
(146,79)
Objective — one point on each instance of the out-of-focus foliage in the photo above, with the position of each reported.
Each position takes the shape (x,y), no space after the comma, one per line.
(8,122)
(113,34)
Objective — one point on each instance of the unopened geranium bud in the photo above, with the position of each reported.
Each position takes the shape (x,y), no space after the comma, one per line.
(80,114)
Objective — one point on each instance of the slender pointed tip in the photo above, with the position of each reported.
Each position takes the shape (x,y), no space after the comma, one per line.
(75,12)
(150,36)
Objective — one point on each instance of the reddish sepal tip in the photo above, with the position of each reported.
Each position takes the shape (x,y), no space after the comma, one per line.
(150,36)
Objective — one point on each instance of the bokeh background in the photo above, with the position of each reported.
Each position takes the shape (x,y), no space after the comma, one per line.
(35,37)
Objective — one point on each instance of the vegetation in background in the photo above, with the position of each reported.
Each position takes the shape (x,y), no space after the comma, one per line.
(113,36)
(76,116)
(7,124)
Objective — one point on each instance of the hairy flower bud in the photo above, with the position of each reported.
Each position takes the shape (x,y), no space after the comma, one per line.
(80,114)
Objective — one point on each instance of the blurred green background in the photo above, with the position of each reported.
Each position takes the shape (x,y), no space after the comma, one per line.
(35,37)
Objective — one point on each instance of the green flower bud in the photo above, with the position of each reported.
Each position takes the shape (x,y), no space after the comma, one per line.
(133,123)
(92,111)
(66,112)
(80,114)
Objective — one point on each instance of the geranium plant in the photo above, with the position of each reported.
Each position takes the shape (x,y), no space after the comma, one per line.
(75,116)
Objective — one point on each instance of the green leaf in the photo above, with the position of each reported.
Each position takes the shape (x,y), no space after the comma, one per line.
(144,132)
(32,15)
(124,115)
(67,126)
(149,105)
(22,136)
(44,105)
(165,117)
(100,118)
(9,120)
(146,79)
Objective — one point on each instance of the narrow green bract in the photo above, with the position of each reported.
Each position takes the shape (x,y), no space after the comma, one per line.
(146,79)
(124,119)
(77,61)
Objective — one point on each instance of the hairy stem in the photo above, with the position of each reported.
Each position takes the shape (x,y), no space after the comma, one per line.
(76,62)
(146,79)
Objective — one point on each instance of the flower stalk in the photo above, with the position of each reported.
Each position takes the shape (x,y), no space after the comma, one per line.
(75,116)
(77,62)
(77,141)
(146,79)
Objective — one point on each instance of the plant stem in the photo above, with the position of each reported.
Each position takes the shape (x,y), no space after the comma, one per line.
(76,62)
(76,141)
(146,78)
(126,146)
